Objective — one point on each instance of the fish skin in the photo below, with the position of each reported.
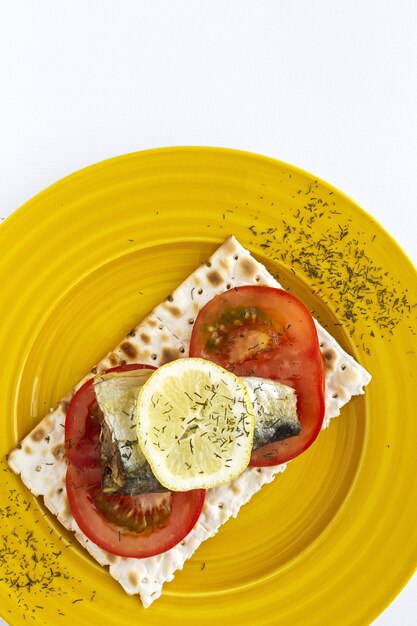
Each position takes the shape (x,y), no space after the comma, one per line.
(275,410)
(125,468)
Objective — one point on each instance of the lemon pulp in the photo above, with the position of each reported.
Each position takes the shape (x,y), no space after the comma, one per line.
(195,424)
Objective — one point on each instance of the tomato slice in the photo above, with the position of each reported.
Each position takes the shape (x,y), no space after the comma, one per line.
(267,332)
(179,512)
(130,526)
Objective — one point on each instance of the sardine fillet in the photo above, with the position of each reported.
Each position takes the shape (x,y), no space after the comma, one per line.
(40,457)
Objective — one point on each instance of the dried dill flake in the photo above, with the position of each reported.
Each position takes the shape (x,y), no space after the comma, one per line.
(30,566)
(337,260)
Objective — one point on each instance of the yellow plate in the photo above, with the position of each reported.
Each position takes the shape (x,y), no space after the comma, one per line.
(332,540)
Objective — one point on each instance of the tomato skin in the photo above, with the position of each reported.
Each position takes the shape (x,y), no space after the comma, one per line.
(82,430)
(291,355)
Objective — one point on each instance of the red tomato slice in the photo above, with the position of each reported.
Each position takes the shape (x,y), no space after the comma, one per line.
(130,526)
(267,332)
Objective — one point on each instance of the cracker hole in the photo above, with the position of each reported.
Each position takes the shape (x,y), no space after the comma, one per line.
(321,345)
(38,468)
(200,291)
(191,321)
(153,357)
(257,278)
(208,263)
(236,257)
(160,327)
(343,367)
(228,286)
(334,395)
(221,505)
(170,298)
(182,350)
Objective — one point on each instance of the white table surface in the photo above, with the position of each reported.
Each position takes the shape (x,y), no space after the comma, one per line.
(328,86)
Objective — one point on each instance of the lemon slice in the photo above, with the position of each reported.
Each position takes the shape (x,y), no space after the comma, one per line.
(195,424)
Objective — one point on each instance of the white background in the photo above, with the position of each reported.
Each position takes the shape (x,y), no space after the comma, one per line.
(328,86)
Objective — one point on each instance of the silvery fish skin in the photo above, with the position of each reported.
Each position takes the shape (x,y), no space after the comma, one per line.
(125,468)
(275,410)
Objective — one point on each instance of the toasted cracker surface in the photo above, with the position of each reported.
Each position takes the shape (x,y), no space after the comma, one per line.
(163,336)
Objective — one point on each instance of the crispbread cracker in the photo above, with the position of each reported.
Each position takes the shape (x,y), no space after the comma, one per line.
(164,336)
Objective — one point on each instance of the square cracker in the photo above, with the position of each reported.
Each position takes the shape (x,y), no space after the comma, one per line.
(163,336)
